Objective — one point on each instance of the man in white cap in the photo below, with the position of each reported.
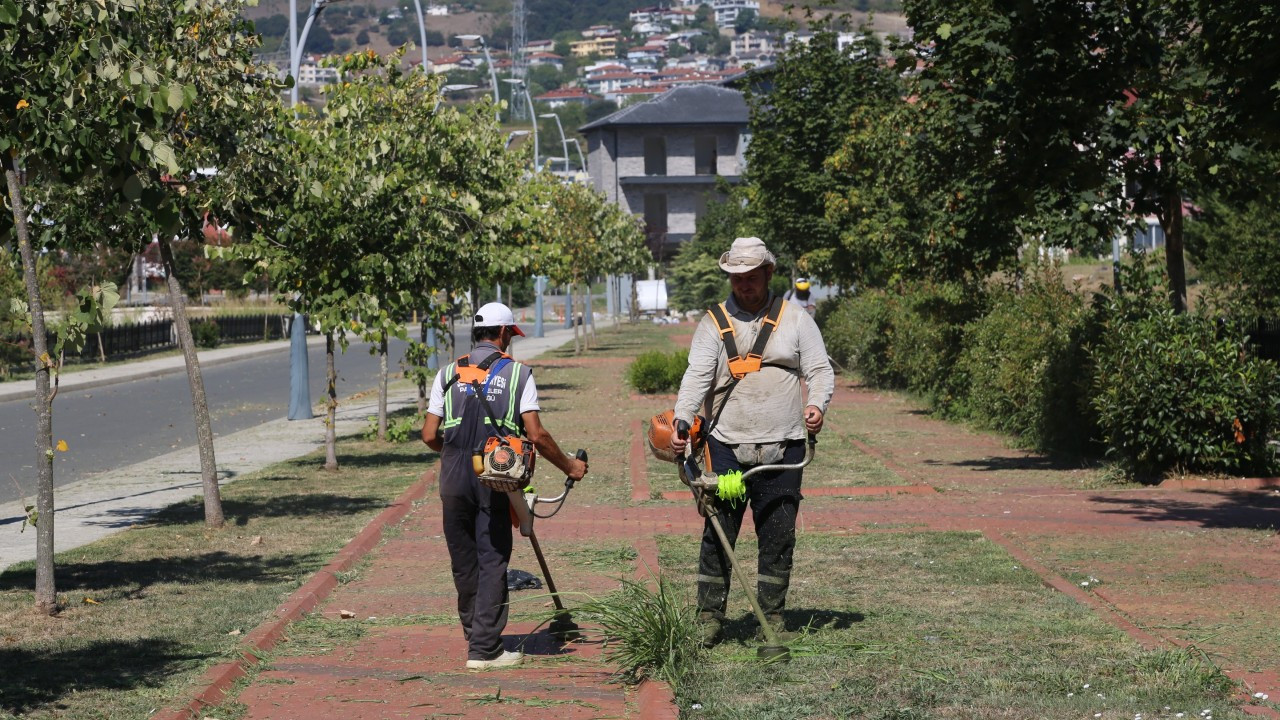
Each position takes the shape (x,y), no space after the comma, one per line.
(748,358)
(477,525)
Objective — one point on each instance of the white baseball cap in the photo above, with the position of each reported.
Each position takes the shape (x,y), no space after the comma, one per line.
(496,314)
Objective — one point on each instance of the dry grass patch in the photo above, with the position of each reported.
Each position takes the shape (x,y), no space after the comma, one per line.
(146,610)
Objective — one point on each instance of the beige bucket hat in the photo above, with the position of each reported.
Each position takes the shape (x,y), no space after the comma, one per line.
(746,254)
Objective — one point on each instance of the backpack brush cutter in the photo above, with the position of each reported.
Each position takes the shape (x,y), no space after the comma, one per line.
(704,484)
(507,467)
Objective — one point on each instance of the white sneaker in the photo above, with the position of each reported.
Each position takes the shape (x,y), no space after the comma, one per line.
(506,659)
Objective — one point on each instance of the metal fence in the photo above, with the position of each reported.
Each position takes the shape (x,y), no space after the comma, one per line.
(140,338)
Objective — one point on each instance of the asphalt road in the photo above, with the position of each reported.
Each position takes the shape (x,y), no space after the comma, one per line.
(113,426)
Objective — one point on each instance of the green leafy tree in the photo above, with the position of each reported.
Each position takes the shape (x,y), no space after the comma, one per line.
(1234,246)
(383,198)
(795,126)
(77,97)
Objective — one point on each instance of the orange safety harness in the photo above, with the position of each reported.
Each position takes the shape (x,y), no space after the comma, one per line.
(739,366)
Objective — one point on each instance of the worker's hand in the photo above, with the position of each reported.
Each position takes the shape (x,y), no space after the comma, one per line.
(678,444)
(813,419)
(577,469)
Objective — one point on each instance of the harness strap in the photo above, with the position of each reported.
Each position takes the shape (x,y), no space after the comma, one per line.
(725,328)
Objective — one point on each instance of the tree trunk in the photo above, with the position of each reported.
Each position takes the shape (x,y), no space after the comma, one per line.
(589,315)
(102,352)
(573,320)
(382,389)
(331,413)
(213,516)
(46,592)
(1173,254)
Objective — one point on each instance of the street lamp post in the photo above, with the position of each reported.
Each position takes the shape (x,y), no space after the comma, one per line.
(563,143)
(299,365)
(493,73)
(581,160)
(422,32)
(518,83)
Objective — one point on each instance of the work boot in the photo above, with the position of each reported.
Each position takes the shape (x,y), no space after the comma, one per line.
(779,629)
(709,629)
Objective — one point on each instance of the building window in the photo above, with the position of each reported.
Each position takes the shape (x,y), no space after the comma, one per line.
(699,207)
(704,155)
(655,213)
(655,157)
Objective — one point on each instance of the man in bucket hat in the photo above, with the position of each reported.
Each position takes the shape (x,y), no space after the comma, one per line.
(759,414)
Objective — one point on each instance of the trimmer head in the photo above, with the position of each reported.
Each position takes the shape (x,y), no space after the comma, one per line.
(774,653)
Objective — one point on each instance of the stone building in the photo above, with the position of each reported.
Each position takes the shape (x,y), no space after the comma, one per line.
(661,159)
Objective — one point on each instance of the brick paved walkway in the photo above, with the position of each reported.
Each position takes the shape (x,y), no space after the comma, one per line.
(407,660)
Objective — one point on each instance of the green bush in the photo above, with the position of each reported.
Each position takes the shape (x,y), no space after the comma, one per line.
(1178,391)
(206,333)
(658,372)
(909,339)
(928,335)
(1026,367)
(857,331)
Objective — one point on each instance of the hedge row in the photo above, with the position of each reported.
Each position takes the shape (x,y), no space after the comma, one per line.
(1119,373)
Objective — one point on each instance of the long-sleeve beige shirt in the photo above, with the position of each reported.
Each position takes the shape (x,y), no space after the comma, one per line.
(765,406)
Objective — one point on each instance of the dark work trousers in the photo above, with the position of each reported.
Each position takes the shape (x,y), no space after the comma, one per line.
(774,498)
(479,540)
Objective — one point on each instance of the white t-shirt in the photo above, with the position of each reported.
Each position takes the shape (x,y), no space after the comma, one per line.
(435,405)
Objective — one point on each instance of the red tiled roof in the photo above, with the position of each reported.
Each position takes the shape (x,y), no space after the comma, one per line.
(569,93)
(642,90)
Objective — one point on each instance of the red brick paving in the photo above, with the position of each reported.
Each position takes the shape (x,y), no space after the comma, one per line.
(413,667)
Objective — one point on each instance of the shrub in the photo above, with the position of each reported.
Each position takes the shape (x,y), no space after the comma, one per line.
(857,331)
(928,335)
(909,339)
(658,372)
(1181,391)
(1026,367)
(206,333)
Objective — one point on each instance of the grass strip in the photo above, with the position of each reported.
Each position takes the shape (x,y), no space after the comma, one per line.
(934,625)
(148,609)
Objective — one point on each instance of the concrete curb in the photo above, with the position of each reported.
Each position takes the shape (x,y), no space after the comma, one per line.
(1220,484)
(138,369)
(217,680)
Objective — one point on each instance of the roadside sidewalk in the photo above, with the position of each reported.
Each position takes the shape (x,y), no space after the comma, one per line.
(111,501)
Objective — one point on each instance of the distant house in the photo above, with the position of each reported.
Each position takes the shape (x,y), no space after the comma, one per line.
(567,96)
(312,75)
(726,11)
(457,61)
(437,10)
(753,45)
(603,83)
(546,58)
(628,95)
(606,46)
(537,46)
(660,159)
(647,53)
